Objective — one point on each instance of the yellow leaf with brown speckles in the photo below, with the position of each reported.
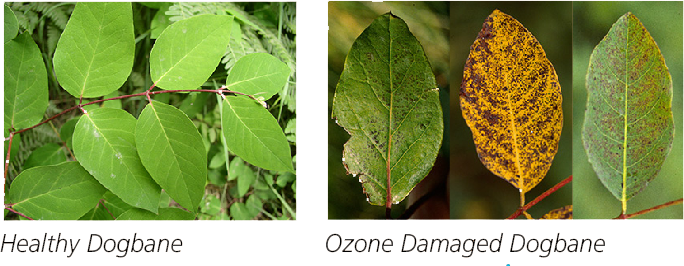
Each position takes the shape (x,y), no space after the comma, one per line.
(560,213)
(511,100)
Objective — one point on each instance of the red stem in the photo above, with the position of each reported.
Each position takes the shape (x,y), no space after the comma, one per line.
(627,216)
(102,202)
(19,213)
(7,159)
(540,197)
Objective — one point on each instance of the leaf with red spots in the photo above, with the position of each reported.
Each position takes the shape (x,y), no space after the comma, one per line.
(628,129)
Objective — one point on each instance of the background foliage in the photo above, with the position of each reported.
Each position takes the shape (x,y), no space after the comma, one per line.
(591,21)
(258,27)
(428,21)
(476,193)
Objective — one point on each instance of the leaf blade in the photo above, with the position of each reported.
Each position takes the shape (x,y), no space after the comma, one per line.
(258,74)
(57,192)
(511,100)
(188,51)
(48,154)
(397,95)
(171,150)
(26,88)
(94,54)
(11,24)
(104,144)
(252,133)
(628,128)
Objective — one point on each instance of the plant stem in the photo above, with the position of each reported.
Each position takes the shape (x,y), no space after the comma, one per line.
(7,159)
(540,197)
(671,203)
(19,213)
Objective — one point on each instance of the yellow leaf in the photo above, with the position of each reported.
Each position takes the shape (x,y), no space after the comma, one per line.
(560,213)
(511,100)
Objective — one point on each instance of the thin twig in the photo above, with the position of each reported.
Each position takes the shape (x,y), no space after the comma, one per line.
(7,159)
(671,203)
(540,197)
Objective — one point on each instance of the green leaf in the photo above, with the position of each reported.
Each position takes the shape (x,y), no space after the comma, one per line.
(252,133)
(160,21)
(104,143)
(171,150)
(94,55)
(245,181)
(236,168)
(67,131)
(387,100)
(26,88)
(11,24)
(254,206)
(239,211)
(218,160)
(258,74)
(58,192)
(48,154)
(211,205)
(188,51)
(628,127)
(284,179)
(164,214)
(98,213)
(115,205)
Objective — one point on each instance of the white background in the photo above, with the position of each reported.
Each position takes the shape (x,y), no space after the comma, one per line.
(302,242)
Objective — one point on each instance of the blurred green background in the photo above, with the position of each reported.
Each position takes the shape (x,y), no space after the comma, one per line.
(591,21)
(429,22)
(476,193)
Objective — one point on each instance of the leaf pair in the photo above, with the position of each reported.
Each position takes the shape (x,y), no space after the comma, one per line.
(133,158)
(183,57)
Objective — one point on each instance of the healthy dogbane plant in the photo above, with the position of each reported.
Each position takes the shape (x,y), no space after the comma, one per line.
(127,167)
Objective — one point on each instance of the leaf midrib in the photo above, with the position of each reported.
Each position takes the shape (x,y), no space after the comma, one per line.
(624,143)
(388,188)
